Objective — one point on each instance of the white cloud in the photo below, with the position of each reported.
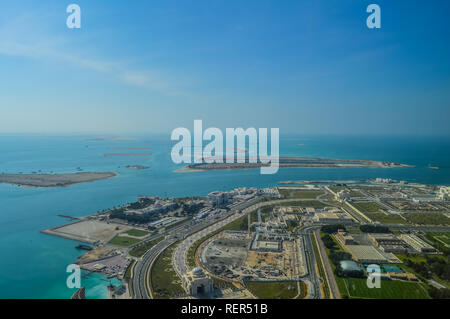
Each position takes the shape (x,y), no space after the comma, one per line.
(25,36)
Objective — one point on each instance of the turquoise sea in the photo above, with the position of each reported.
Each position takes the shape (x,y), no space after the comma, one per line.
(32,265)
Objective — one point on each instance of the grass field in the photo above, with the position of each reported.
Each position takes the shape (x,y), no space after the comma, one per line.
(428,219)
(123,241)
(127,275)
(239,224)
(357,288)
(368,207)
(443,238)
(299,194)
(140,250)
(164,281)
(274,290)
(386,218)
(137,232)
(419,258)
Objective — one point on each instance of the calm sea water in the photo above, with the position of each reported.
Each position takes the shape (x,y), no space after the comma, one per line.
(32,265)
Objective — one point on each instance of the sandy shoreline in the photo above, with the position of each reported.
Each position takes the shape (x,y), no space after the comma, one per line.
(295,162)
(53,180)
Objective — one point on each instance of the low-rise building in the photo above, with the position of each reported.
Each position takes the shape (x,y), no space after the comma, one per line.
(344,238)
(366,254)
(349,266)
(332,217)
(342,196)
(197,283)
(417,243)
(402,276)
(218,198)
(444,193)
(389,243)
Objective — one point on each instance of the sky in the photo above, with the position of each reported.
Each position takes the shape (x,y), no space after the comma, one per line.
(303,66)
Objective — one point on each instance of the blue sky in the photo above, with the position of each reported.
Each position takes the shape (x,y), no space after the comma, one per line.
(150,66)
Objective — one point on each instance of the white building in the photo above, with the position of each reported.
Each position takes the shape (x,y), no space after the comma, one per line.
(218,198)
(417,243)
(342,196)
(197,283)
(444,193)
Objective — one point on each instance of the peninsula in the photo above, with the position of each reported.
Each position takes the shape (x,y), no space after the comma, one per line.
(299,162)
(53,180)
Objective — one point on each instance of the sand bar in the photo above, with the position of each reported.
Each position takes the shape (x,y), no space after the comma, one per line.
(53,180)
(299,162)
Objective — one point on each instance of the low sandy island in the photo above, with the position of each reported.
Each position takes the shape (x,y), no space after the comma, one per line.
(298,162)
(324,182)
(138,167)
(53,180)
(127,154)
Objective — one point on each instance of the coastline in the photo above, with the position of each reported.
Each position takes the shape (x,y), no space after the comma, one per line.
(53,180)
(295,162)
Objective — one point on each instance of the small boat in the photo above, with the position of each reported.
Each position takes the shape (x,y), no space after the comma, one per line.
(85,247)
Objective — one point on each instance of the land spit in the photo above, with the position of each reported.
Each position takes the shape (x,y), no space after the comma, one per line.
(53,180)
(298,162)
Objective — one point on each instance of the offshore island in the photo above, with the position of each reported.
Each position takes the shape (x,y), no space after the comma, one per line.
(53,180)
(298,162)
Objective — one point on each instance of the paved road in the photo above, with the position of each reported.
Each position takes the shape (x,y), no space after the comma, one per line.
(192,232)
(180,256)
(180,261)
(139,282)
(326,264)
(311,278)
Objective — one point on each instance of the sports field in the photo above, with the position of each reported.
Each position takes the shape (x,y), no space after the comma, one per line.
(123,241)
(357,288)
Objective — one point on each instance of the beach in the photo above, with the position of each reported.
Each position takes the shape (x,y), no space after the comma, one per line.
(53,180)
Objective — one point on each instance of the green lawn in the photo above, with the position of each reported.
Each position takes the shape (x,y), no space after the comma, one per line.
(368,207)
(419,258)
(140,250)
(137,232)
(395,289)
(164,281)
(386,218)
(124,241)
(239,224)
(443,238)
(127,275)
(378,214)
(357,287)
(273,290)
(428,219)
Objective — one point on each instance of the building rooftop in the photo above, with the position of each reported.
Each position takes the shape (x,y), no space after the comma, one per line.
(349,265)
